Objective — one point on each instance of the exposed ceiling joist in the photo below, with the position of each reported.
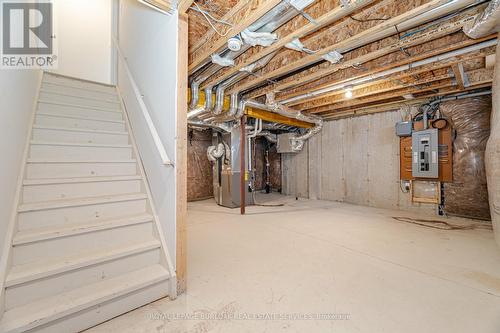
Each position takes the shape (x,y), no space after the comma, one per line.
(323,21)
(365,37)
(248,15)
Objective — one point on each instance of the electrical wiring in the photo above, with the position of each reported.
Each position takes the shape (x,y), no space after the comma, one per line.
(209,19)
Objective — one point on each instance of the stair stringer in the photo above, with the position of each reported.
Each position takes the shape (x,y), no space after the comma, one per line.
(6,258)
(166,258)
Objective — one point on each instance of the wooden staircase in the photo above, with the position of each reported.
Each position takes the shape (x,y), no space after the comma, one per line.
(86,243)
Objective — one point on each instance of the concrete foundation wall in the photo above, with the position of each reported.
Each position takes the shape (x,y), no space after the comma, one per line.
(353,160)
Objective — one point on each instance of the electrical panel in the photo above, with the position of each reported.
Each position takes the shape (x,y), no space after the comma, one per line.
(425,150)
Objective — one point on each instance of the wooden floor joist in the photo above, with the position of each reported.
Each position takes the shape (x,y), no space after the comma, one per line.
(327,19)
(362,38)
(324,99)
(248,15)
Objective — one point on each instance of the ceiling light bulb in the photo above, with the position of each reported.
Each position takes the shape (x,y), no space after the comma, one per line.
(348,92)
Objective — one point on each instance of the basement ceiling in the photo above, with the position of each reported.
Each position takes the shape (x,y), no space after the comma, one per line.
(291,73)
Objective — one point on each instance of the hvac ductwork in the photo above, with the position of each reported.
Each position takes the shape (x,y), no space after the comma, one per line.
(383,74)
(215,152)
(487,23)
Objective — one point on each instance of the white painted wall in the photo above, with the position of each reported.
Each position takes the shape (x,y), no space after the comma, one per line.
(354,160)
(83,36)
(17,95)
(149,41)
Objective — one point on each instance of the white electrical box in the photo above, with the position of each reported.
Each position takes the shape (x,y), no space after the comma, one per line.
(425,150)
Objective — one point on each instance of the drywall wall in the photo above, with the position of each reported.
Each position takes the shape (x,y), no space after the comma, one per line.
(199,171)
(17,95)
(353,160)
(83,38)
(149,43)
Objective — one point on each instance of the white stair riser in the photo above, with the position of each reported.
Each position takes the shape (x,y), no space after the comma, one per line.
(40,134)
(79,153)
(65,110)
(36,193)
(73,215)
(96,315)
(77,84)
(54,121)
(72,91)
(84,243)
(32,291)
(70,170)
(49,97)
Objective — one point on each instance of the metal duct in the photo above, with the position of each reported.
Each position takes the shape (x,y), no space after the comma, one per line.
(273,106)
(395,70)
(273,138)
(214,153)
(488,22)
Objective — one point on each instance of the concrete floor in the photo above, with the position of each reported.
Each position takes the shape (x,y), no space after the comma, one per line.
(315,257)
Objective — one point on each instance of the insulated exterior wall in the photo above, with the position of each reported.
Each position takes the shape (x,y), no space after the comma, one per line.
(199,171)
(353,160)
(467,196)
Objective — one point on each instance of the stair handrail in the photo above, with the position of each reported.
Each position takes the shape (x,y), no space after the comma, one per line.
(140,99)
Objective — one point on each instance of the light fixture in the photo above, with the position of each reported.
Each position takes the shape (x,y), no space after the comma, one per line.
(348,92)
(234,44)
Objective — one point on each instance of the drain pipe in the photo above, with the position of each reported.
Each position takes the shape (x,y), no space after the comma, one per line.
(488,22)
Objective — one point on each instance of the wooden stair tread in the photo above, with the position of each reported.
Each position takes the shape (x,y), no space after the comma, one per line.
(83,130)
(70,144)
(38,270)
(54,232)
(53,308)
(80,117)
(66,203)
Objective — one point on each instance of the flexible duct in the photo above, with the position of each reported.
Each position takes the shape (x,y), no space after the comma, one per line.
(214,153)
(273,138)
(487,23)
(493,153)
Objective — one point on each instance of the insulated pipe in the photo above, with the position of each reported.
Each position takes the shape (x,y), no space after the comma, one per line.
(395,70)
(488,22)
(493,153)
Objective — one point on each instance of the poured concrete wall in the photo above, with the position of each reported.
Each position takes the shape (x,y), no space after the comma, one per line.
(353,160)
